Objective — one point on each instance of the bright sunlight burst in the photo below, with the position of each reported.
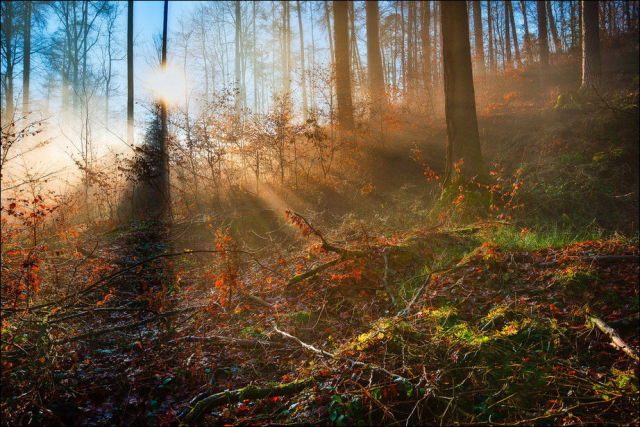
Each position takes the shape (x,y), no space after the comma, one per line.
(168,85)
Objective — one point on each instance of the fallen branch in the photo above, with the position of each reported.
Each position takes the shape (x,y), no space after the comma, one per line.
(345,359)
(616,341)
(249,392)
(310,273)
(404,312)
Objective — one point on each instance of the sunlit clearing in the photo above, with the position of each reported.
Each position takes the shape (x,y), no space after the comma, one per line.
(168,85)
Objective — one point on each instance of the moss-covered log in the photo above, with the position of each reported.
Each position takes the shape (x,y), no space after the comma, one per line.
(249,392)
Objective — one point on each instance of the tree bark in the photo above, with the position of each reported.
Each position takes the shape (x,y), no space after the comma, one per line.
(374,59)
(7,40)
(591,62)
(477,29)
(527,34)
(552,26)
(164,159)
(26,59)
(543,40)
(237,57)
(507,36)
(343,72)
(426,46)
(460,105)
(514,33)
(130,73)
(492,50)
(305,105)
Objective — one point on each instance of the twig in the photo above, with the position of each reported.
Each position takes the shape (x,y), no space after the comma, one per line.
(616,341)
(346,359)
(404,312)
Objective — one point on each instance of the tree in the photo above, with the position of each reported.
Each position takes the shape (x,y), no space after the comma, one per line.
(237,57)
(552,26)
(591,62)
(163,158)
(543,38)
(527,34)
(463,147)
(426,45)
(477,29)
(512,20)
(305,106)
(8,55)
(507,35)
(26,58)
(130,72)
(374,60)
(342,65)
(492,49)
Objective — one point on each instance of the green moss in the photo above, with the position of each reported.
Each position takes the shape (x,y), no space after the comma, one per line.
(576,279)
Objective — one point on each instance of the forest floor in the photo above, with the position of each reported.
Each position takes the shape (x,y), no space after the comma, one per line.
(374,313)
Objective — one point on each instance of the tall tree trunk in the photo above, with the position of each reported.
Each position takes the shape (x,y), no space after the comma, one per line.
(552,26)
(460,105)
(410,46)
(130,72)
(627,15)
(164,158)
(26,59)
(237,58)
(477,29)
(343,72)
(374,59)
(527,34)
(7,40)
(426,46)
(254,59)
(543,40)
(305,106)
(512,20)
(507,36)
(327,15)
(492,49)
(591,62)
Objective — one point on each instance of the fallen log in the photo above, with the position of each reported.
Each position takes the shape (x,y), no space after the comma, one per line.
(310,273)
(616,341)
(205,405)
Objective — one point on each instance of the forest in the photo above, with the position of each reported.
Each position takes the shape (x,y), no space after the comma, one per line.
(319,213)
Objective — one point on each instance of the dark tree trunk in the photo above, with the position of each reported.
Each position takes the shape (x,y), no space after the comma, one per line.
(426,45)
(305,106)
(512,20)
(492,48)
(7,40)
(552,26)
(26,59)
(460,105)
(374,59)
(507,36)
(591,62)
(237,57)
(527,34)
(543,40)
(343,72)
(477,29)
(130,73)
(163,149)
